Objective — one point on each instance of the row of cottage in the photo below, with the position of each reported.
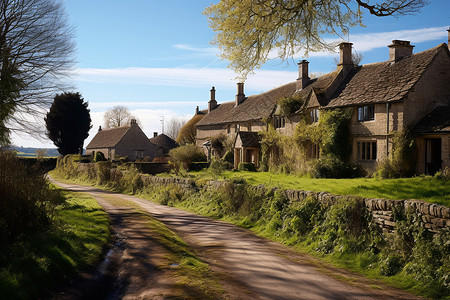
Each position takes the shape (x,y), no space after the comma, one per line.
(407,92)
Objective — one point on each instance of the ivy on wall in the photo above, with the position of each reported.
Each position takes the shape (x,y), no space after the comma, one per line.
(401,160)
(289,155)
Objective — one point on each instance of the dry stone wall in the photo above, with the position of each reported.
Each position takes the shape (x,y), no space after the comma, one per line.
(435,217)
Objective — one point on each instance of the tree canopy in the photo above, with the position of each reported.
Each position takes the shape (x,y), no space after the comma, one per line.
(36,53)
(188,132)
(247,31)
(68,123)
(116,117)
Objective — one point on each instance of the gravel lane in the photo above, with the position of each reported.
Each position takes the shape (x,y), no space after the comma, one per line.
(247,266)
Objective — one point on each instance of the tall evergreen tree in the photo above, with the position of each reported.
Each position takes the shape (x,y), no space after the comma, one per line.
(68,123)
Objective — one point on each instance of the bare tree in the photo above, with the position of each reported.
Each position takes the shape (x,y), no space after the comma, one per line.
(36,55)
(173,127)
(118,116)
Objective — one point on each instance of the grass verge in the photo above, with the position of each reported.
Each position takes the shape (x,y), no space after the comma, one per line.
(34,264)
(426,188)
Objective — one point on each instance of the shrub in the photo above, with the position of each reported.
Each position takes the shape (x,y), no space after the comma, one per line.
(400,162)
(27,201)
(186,155)
(391,265)
(245,166)
(229,157)
(217,166)
(99,156)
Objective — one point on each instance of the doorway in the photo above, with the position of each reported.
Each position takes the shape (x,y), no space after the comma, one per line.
(433,155)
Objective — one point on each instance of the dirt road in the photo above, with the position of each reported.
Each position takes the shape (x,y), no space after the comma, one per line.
(246,266)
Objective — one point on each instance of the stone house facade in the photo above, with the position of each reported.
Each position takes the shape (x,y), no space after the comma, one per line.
(128,141)
(407,92)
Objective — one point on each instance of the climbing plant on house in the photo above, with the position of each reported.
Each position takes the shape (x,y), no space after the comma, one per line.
(332,135)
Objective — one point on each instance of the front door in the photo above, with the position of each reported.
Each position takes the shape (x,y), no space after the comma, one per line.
(433,158)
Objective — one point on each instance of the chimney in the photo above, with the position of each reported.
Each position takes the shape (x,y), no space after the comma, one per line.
(448,42)
(197,110)
(303,77)
(240,93)
(212,103)
(155,134)
(133,122)
(345,61)
(399,49)
(99,128)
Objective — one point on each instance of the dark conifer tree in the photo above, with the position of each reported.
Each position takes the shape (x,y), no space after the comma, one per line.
(68,123)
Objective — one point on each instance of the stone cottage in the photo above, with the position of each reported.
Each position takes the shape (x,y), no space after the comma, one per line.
(128,141)
(406,92)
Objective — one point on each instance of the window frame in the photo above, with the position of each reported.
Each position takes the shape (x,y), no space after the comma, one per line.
(314,115)
(366,113)
(366,150)
(279,122)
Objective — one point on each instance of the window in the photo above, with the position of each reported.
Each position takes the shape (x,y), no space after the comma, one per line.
(279,122)
(314,115)
(228,128)
(249,127)
(366,113)
(139,154)
(367,150)
(315,150)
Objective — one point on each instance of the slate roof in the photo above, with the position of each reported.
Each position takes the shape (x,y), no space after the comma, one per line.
(385,81)
(164,142)
(249,139)
(254,107)
(108,138)
(438,121)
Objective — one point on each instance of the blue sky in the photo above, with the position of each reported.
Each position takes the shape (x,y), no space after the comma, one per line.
(155,57)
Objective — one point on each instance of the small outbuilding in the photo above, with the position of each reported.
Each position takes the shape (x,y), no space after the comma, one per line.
(163,142)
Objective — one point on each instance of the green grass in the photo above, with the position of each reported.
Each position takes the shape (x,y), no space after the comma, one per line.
(39,262)
(426,188)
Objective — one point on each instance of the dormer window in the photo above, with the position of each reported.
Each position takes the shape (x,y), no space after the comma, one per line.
(314,115)
(366,113)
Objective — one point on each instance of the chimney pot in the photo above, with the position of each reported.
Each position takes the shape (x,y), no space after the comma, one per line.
(345,60)
(240,93)
(197,110)
(399,49)
(212,103)
(133,122)
(99,128)
(303,76)
(155,134)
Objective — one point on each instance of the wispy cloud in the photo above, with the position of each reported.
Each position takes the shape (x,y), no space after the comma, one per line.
(375,40)
(203,51)
(184,77)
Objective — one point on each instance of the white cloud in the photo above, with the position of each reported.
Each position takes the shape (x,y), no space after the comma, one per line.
(371,41)
(184,77)
(375,40)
